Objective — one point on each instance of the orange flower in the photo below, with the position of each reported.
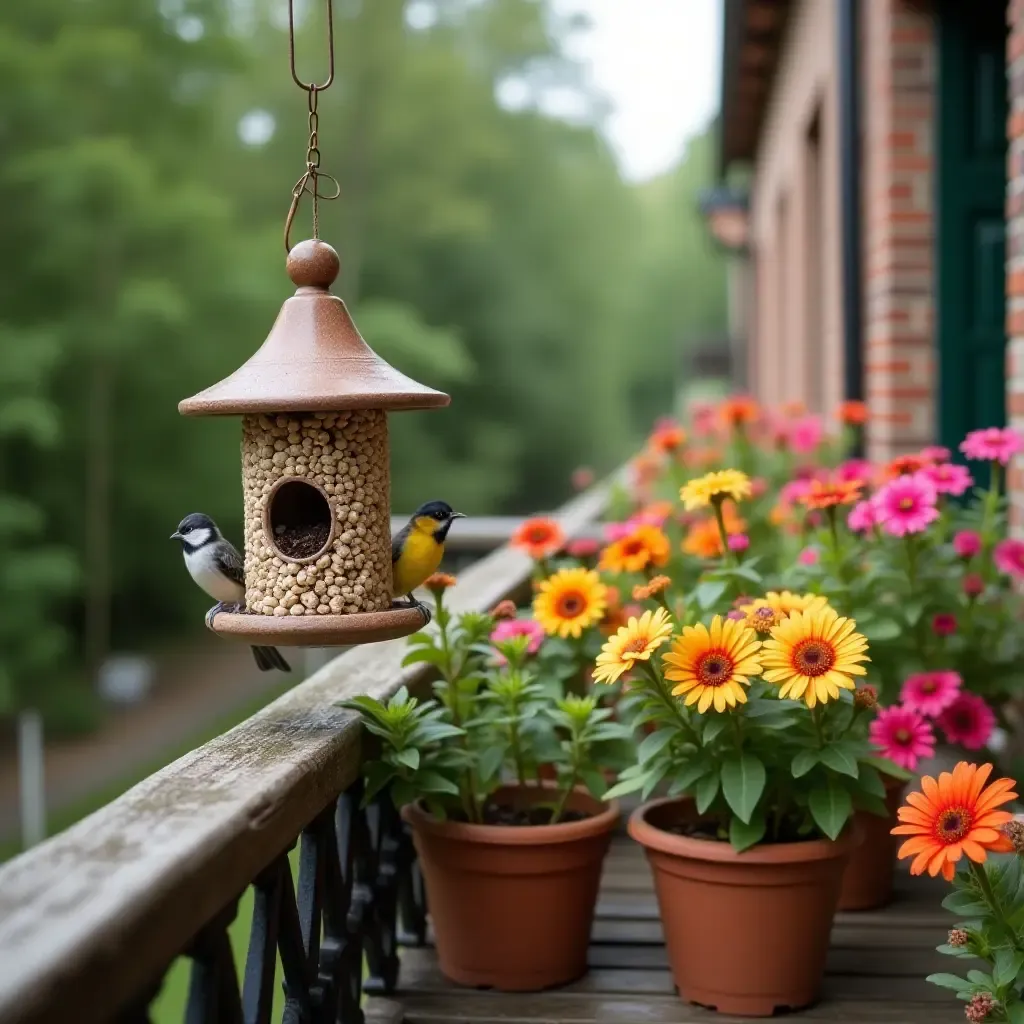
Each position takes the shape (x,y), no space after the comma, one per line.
(829,493)
(739,411)
(538,537)
(853,414)
(703,538)
(439,581)
(645,469)
(794,409)
(903,465)
(954,816)
(644,592)
(667,438)
(645,546)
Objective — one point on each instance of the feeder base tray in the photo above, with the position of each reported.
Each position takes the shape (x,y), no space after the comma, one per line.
(319,630)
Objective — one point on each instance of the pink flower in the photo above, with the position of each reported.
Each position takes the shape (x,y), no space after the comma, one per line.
(930,693)
(509,628)
(936,453)
(863,517)
(993,444)
(944,624)
(856,469)
(736,615)
(809,556)
(906,505)
(902,735)
(582,478)
(967,543)
(616,531)
(1009,557)
(738,542)
(968,721)
(758,487)
(948,477)
(791,493)
(805,434)
(584,547)
(974,585)
(704,418)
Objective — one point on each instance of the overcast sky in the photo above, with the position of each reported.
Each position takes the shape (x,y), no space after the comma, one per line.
(658,62)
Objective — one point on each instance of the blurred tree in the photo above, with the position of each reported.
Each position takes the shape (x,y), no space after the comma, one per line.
(487,248)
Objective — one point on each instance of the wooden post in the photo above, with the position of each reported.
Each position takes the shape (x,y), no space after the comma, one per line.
(31,778)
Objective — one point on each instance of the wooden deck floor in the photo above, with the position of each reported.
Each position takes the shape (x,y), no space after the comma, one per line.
(876,968)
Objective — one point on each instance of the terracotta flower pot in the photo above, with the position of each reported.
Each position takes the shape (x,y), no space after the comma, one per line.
(868,878)
(746,932)
(512,906)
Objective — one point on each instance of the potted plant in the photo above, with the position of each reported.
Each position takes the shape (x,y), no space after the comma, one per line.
(763,780)
(511,862)
(953,823)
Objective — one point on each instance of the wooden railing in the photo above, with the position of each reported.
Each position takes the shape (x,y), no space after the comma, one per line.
(91,920)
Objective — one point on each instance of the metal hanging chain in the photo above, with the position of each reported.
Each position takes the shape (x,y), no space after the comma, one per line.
(310,182)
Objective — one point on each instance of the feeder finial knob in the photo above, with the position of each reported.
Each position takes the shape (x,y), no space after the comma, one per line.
(313,264)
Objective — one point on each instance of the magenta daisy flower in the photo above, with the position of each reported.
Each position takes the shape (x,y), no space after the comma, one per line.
(1009,557)
(509,628)
(809,556)
(967,543)
(906,505)
(930,693)
(943,623)
(993,444)
(968,721)
(902,736)
(805,434)
(738,542)
(856,469)
(863,517)
(948,477)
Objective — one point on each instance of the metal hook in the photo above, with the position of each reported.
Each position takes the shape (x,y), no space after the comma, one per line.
(311,86)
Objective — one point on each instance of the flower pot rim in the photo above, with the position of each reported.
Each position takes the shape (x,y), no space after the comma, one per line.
(654,838)
(518,835)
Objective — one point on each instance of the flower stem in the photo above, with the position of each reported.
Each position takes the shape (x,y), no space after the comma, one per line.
(722,531)
(981,877)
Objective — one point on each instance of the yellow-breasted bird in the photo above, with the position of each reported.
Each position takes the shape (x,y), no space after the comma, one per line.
(417,549)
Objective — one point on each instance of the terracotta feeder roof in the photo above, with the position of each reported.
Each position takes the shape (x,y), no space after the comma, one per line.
(314,359)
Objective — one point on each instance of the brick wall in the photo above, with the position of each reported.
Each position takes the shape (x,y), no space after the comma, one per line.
(1015,248)
(898,77)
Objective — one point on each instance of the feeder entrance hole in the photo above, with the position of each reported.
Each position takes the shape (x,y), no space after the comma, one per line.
(299,520)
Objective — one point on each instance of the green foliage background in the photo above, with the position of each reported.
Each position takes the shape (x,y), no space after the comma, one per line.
(491,252)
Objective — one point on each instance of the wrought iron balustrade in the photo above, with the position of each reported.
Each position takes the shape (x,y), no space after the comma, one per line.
(92,920)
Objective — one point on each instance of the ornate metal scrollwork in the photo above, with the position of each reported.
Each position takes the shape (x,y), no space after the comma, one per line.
(358,896)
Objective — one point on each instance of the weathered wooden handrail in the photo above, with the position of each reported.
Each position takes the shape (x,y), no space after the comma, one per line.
(91,919)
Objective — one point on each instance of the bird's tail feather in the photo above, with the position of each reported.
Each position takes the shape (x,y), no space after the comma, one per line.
(268,658)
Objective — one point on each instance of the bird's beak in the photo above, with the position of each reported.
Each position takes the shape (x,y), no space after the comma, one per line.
(458,515)
(175,536)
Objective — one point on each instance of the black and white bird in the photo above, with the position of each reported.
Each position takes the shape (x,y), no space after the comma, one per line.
(215,564)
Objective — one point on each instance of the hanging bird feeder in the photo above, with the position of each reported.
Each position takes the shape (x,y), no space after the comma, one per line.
(314,401)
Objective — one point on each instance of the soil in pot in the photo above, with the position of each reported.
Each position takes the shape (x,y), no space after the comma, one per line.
(512,904)
(746,933)
(868,878)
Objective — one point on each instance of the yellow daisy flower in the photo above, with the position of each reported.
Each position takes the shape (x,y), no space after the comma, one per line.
(785,602)
(570,601)
(636,641)
(715,487)
(711,666)
(814,654)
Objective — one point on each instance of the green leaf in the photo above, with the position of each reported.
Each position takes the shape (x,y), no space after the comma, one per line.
(626,785)
(706,791)
(410,757)
(653,745)
(695,770)
(1014,1012)
(708,593)
(831,807)
(951,981)
(595,782)
(1007,963)
(714,728)
(743,779)
(871,781)
(803,762)
(883,629)
(423,654)
(839,760)
(964,903)
(654,776)
(743,835)
(887,767)
(434,782)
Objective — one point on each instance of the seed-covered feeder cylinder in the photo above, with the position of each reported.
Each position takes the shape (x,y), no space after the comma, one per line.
(314,401)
